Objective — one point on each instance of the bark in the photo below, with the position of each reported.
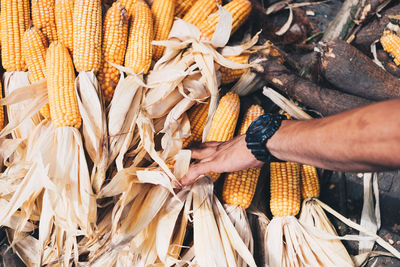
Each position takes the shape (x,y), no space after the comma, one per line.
(323,100)
(351,71)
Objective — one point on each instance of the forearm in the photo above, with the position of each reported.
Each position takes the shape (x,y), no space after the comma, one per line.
(363,139)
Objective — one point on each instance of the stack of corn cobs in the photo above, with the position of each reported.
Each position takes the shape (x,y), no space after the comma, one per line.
(100,108)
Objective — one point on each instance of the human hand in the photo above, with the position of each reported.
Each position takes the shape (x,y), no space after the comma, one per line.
(220,157)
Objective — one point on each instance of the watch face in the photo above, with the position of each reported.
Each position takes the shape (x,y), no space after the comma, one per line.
(259,125)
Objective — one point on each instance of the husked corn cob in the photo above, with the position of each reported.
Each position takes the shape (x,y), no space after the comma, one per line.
(34,45)
(239,187)
(391,43)
(200,10)
(115,38)
(128,5)
(231,75)
(197,118)
(182,7)
(240,10)
(139,53)
(163,16)
(14,20)
(285,188)
(309,182)
(87,35)
(64,16)
(224,121)
(60,76)
(43,17)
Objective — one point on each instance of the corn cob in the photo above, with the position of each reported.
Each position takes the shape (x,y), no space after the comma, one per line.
(200,10)
(15,20)
(139,51)
(115,37)
(34,45)
(64,10)
(240,10)
(239,187)
(230,75)
(309,182)
(87,35)
(43,17)
(224,122)
(285,188)
(197,118)
(391,43)
(182,7)
(128,5)
(163,15)
(60,76)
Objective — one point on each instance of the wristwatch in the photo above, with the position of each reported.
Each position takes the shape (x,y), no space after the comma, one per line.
(258,133)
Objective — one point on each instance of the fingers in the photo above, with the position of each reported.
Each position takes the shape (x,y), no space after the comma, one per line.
(195,170)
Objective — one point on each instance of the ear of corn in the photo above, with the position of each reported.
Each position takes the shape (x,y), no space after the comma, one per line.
(15,20)
(163,15)
(34,45)
(139,52)
(391,43)
(309,182)
(224,121)
(128,5)
(240,10)
(64,11)
(200,10)
(115,37)
(87,35)
(285,188)
(60,76)
(182,7)
(231,75)
(43,17)
(239,187)
(197,118)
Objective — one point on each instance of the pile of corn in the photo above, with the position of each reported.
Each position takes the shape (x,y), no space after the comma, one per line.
(91,159)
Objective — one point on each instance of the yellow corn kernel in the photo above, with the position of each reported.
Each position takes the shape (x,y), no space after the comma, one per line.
(285,188)
(128,5)
(182,7)
(14,20)
(115,38)
(309,182)
(239,187)
(163,16)
(64,10)
(197,118)
(391,44)
(139,53)
(232,75)
(224,122)
(201,10)
(34,45)
(43,17)
(240,10)
(60,76)
(87,35)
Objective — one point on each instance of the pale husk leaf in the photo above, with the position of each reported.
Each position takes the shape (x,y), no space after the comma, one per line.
(230,51)
(224,27)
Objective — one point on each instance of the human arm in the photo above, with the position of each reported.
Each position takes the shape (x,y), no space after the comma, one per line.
(362,139)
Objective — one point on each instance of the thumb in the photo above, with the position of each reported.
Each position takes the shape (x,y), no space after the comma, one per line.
(195,171)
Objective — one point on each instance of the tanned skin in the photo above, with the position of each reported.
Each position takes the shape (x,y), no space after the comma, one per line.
(359,140)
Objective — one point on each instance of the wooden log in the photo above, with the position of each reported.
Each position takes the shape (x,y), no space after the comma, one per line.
(323,100)
(373,30)
(351,71)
